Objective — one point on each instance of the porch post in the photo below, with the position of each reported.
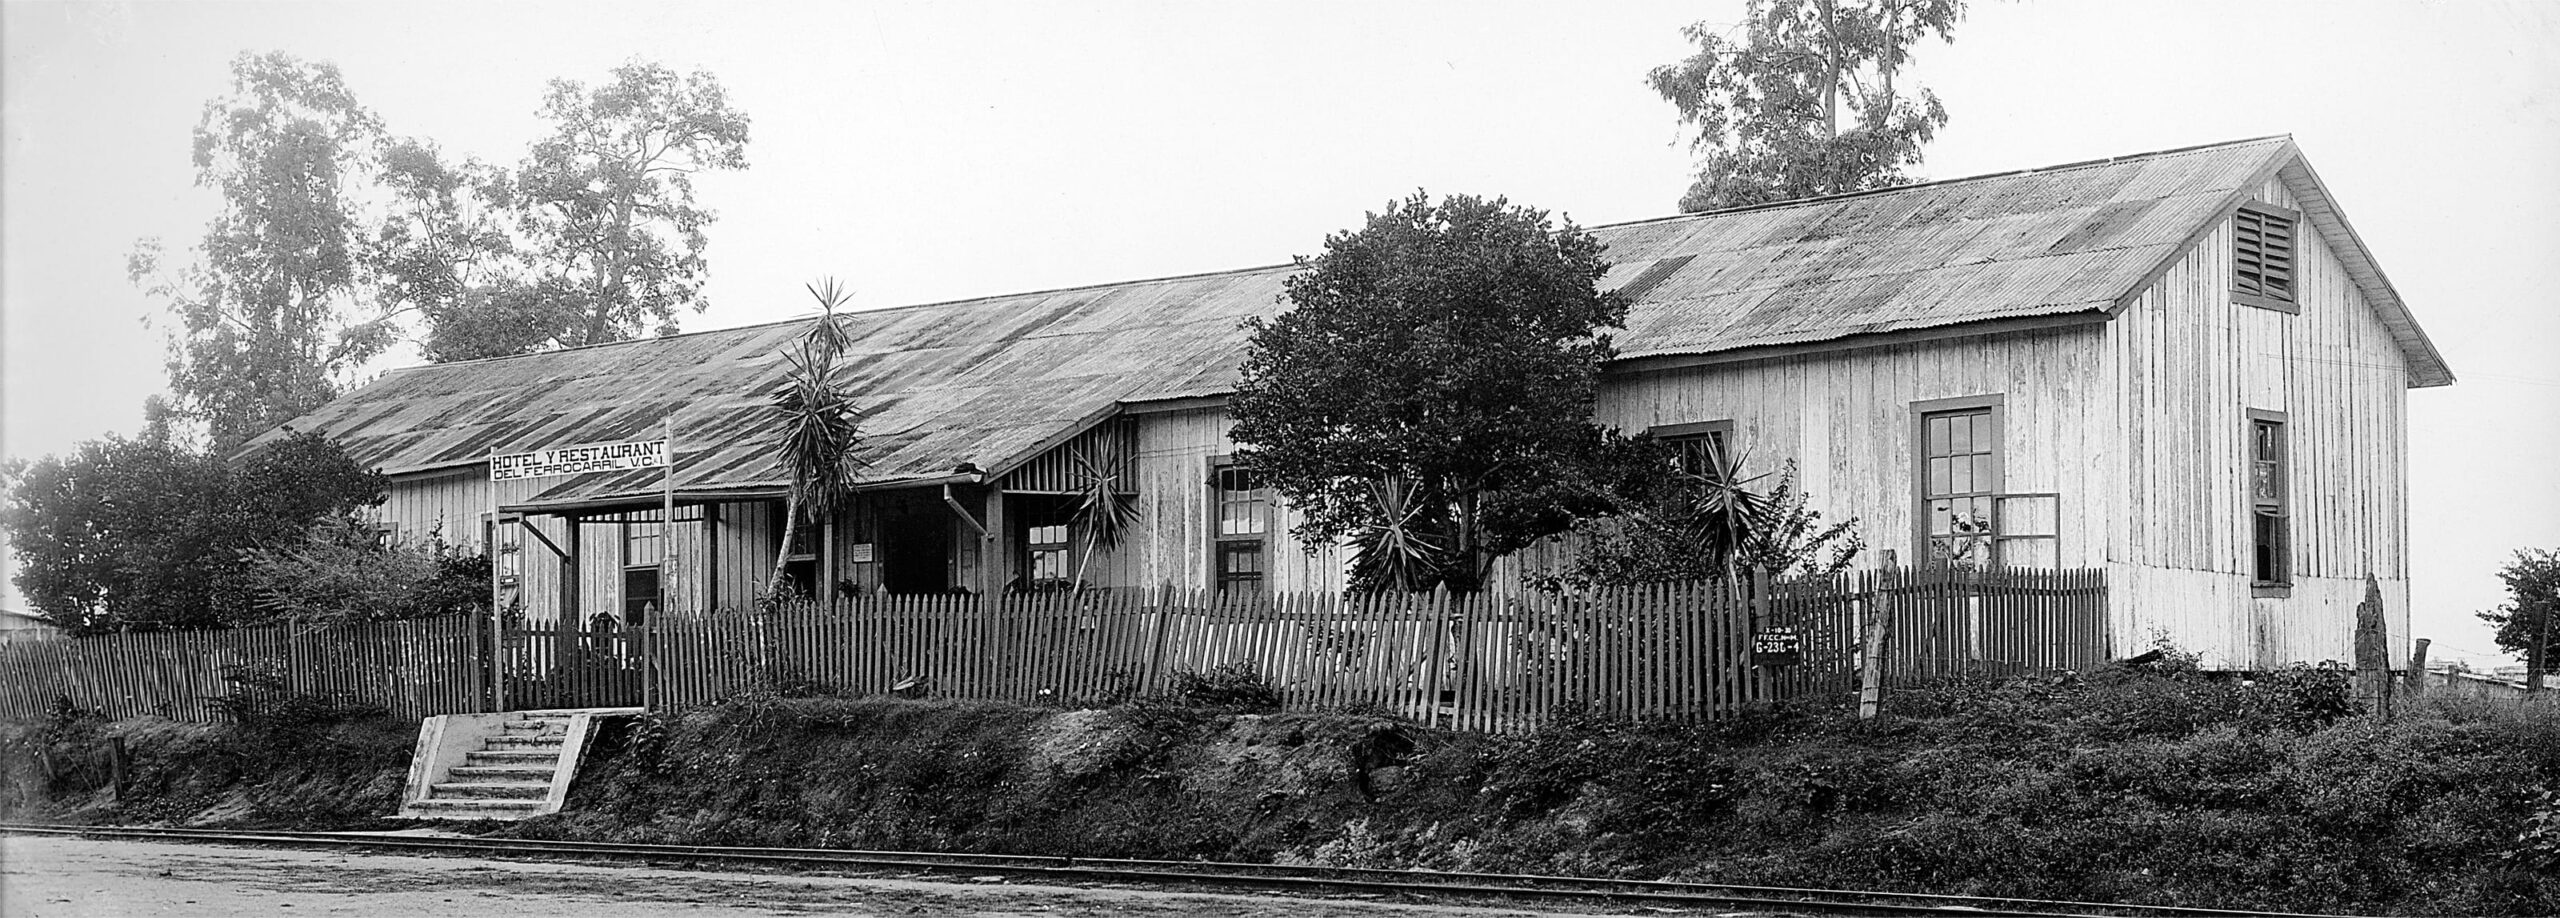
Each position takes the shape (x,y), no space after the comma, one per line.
(991,560)
(568,631)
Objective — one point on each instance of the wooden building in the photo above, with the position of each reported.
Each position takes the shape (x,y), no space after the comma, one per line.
(2182,367)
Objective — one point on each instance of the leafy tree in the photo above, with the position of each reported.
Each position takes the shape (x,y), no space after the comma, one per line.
(263,312)
(821,425)
(1804,101)
(150,533)
(2533,583)
(445,253)
(606,206)
(1435,371)
(594,237)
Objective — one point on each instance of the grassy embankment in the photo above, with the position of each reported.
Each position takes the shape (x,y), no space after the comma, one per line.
(2138,786)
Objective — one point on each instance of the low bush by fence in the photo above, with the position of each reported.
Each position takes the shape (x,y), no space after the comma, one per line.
(1471,662)
(412,669)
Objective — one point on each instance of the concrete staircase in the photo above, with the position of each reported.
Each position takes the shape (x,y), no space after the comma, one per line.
(497,766)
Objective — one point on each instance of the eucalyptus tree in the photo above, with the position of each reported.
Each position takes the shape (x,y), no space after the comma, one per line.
(606,204)
(267,317)
(1804,98)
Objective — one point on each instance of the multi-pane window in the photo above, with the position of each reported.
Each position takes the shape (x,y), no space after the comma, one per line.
(1243,532)
(2262,257)
(1699,449)
(1959,486)
(1044,561)
(644,549)
(2270,522)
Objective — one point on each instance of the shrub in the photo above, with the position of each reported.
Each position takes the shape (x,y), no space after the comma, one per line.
(270,713)
(1238,687)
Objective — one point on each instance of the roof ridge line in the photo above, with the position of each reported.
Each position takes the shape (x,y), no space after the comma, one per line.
(1935,183)
(1772,205)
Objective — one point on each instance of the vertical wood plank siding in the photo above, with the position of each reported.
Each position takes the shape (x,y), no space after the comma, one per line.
(2188,363)
(1845,419)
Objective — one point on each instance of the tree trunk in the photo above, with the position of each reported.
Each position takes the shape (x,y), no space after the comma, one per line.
(615,268)
(782,555)
(1831,67)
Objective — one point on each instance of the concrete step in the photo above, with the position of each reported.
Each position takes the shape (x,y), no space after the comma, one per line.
(511,757)
(524,742)
(476,808)
(504,773)
(489,790)
(544,727)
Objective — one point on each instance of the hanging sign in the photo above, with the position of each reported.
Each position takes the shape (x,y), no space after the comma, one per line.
(579,460)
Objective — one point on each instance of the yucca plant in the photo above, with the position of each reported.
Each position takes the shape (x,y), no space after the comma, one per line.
(1104,512)
(821,426)
(1398,548)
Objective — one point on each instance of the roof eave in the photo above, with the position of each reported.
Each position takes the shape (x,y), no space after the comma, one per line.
(2426,365)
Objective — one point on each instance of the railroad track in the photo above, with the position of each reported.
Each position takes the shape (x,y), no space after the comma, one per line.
(1305,880)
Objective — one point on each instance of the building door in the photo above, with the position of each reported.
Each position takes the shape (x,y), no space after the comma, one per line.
(915,546)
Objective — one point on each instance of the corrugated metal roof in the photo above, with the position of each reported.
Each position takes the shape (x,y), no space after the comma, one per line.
(981,381)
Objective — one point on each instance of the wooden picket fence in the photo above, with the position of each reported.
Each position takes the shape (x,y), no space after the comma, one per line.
(1473,662)
(412,668)
(1470,662)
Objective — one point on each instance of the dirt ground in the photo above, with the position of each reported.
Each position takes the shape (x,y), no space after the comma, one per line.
(84,878)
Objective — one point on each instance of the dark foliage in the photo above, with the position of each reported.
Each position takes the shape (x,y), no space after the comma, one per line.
(1236,687)
(148,534)
(2533,589)
(1433,375)
(1653,522)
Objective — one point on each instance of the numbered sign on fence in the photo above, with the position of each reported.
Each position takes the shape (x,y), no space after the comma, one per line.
(1777,646)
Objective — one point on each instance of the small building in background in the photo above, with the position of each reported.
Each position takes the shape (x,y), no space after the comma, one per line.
(17,626)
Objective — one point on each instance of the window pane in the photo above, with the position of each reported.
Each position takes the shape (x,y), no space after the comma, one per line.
(1960,434)
(1982,480)
(1972,515)
(1048,565)
(1941,515)
(1962,483)
(1938,476)
(2029,515)
(2043,553)
(1937,435)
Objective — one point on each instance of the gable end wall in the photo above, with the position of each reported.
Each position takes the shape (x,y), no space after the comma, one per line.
(2187,364)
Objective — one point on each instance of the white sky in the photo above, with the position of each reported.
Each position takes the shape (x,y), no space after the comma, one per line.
(934,151)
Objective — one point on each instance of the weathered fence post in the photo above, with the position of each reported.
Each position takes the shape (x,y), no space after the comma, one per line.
(2418,666)
(1874,641)
(1439,632)
(116,765)
(1757,602)
(2373,654)
(1152,682)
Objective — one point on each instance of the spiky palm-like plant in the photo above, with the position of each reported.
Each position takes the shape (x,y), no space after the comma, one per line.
(1397,549)
(1104,511)
(821,426)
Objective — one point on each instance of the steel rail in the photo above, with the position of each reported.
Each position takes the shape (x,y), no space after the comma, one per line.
(1268,876)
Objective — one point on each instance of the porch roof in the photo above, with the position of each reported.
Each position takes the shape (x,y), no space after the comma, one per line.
(983,383)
